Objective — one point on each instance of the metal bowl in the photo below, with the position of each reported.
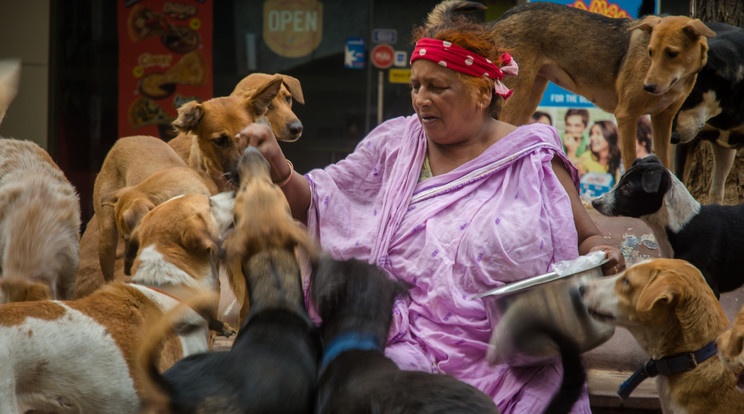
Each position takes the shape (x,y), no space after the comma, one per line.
(551,299)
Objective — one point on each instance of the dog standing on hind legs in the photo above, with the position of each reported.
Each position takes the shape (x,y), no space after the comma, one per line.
(644,66)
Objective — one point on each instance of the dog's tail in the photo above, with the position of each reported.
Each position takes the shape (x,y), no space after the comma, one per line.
(445,11)
(156,391)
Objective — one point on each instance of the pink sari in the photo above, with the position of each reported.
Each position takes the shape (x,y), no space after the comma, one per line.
(499,218)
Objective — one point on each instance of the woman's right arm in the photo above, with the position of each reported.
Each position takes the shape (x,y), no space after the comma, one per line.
(297,189)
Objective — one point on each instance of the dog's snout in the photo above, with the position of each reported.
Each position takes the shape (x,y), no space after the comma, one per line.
(582,289)
(295,128)
(649,87)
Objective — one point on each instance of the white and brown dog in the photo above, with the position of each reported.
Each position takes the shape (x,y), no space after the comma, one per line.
(39,219)
(78,356)
(285,124)
(675,317)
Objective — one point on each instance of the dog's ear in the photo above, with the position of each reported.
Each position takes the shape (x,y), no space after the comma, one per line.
(197,238)
(130,252)
(651,180)
(696,28)
(189,115)
(133,215)
(646,24)
(259,100)
(663,288)
(293,85)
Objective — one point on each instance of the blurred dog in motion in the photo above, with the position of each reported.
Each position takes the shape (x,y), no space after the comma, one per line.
(272,366)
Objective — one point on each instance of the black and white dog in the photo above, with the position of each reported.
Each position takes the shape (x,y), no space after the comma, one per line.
(711,237)
(714,110)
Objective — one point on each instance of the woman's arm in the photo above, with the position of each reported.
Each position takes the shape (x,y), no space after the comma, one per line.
(295,186)
(590,238)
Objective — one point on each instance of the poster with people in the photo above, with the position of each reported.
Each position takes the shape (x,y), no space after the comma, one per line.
(589,134)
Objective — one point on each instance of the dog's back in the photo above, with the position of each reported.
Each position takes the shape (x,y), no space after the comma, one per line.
(39,218)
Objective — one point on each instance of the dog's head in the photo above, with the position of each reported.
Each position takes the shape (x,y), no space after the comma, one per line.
(677,49)
(639,192)
(214,125)
(273,281)
(22,290)
(731,348)
(178,241)
(285,124)
(352,295)
(658,300)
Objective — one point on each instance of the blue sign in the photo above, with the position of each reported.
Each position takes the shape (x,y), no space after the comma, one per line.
(354,53)
(384,36)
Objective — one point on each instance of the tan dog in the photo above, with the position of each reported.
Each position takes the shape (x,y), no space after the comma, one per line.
(285,124)
(127,164)
(79,356)
(207,131)
(10,73)
(39,219)
(731,349)
(646,66)
(262,220)
(675,317)
(176,246)
(15,290)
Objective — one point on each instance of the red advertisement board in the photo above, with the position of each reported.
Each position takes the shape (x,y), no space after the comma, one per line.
(165,59)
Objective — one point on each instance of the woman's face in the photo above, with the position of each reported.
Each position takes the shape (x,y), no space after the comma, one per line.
(597,140)
(445,106)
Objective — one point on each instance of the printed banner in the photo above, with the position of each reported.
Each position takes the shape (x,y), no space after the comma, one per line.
(165,60)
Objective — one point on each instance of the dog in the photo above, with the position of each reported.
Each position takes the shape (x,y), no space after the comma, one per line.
(355,300)
(10,74)
(285,124)
(15,290)
(644,66)
(262,220)
(207,131)
(129,162)
(272,365)
(714,110)
(79,356)
(39,219)
(675,317)
(731,349)
(708,236)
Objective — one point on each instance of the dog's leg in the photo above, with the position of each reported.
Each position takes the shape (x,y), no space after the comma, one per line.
(723,159)
(108,237)
(626,125)
(661,129)
(528,91)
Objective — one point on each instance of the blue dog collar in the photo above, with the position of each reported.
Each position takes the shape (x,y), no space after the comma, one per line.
(347,342)
(667,366)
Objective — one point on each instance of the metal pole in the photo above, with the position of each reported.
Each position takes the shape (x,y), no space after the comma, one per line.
(379,97)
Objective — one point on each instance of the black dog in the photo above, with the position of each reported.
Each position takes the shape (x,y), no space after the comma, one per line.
(272,366)
(355,301)
(714,110)
(710,236)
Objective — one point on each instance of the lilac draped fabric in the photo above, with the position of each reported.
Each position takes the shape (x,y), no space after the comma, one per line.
(499,218)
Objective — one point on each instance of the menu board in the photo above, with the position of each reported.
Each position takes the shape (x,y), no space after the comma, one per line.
(165,60)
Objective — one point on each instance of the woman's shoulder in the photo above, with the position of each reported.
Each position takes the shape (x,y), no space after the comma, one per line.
(538,132)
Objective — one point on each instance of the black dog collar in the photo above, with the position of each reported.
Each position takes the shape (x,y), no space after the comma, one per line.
(346,342)
(667,366)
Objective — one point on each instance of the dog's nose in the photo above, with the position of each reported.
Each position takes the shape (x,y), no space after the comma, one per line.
(582,290)
(649,87)
(676,139)
(295,128)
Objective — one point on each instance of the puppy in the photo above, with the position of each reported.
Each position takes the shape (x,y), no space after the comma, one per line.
(78,356)
(262,220)
(675,317)
(645,66)
(10,73)
(714,110)
(39,219)
(710,236)
(287,127)
(355,301)
(731,349)
(128,163)
(206,139)
(130,204)
(272,365)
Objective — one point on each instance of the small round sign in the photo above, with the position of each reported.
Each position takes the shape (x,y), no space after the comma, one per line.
(382,56)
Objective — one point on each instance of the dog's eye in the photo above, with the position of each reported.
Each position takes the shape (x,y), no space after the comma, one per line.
(222,140)
(625,282)
(270,107)
(671,54)
(289,100)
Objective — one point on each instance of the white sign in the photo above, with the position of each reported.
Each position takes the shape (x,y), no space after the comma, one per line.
(384,35)
(400,59)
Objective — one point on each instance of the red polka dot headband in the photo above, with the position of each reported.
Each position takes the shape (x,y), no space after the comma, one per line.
(464,61)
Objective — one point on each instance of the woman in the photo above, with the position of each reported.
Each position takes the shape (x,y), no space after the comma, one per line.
(454,202)
(604,155)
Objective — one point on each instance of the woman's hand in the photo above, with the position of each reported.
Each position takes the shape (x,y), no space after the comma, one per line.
(616,264)
(261,136)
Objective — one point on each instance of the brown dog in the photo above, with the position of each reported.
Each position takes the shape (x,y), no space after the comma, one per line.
(285,124)
(207,131)
(39,219)
(646,66)
(731,349)
(675,317)
(262,220)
